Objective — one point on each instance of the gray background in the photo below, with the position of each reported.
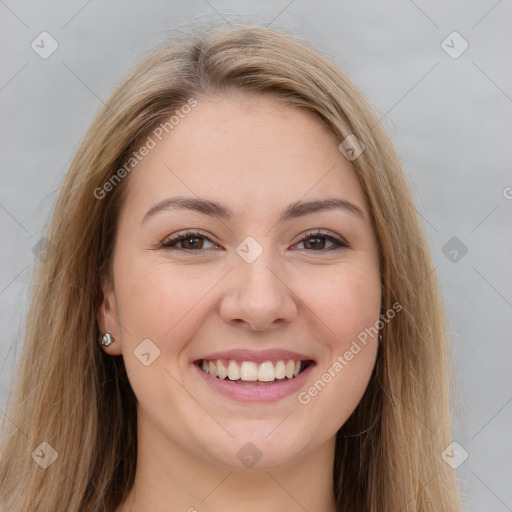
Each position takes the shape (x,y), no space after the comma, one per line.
(449,117)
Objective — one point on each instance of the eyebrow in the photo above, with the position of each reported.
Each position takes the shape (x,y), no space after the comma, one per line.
(215,209)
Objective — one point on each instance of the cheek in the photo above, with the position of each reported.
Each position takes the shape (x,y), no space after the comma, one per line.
(349,304)
(160,304)
(346,301)
(163,302)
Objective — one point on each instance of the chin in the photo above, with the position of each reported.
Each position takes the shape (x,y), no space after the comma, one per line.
(256,451)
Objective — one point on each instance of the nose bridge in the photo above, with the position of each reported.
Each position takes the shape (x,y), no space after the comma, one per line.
(261,276)
(258,295)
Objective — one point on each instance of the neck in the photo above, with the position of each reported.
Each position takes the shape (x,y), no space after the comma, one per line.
(168,477)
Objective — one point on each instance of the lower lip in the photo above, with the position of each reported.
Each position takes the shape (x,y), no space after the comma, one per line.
(247,393)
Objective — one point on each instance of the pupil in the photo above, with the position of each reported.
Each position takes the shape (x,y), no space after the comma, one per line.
(188,240)
(317,240)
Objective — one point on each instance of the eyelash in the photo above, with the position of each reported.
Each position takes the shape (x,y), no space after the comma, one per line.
(168,244)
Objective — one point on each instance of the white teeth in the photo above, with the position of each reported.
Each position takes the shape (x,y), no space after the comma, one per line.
(252,371)
(266,372)
(290,366)
(223,371)
(233,371)
(212,369)
(249,371)
(280,370)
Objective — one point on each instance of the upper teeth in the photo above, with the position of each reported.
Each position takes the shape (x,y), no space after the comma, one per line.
(251,371)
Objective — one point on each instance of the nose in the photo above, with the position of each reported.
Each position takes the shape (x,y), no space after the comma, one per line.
(258,297)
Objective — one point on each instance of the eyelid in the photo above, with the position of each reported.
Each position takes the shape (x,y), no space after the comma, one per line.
(338,241)
(334,238)
(183,235)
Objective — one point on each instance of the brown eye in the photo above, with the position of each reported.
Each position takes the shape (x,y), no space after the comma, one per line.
(189,241)
(192,243)
(317,241)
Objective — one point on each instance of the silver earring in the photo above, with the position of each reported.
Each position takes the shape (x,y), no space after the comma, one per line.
(107,339)
(380,338)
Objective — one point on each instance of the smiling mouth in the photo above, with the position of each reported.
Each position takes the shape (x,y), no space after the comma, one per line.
(250,373)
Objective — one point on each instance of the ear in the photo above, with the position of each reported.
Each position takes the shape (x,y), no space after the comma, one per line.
(107,316)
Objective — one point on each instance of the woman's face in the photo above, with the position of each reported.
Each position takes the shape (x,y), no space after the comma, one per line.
(252,285)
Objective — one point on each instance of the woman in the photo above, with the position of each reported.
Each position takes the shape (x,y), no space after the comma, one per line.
(237,227)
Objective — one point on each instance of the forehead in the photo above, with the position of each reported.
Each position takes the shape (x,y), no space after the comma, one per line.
(250,150)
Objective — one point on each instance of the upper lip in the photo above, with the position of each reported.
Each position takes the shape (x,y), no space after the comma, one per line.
(258,356)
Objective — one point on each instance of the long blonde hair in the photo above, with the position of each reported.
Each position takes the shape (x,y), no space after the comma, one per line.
(71,395)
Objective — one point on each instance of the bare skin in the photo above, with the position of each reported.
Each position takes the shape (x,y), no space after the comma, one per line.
(256,156)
